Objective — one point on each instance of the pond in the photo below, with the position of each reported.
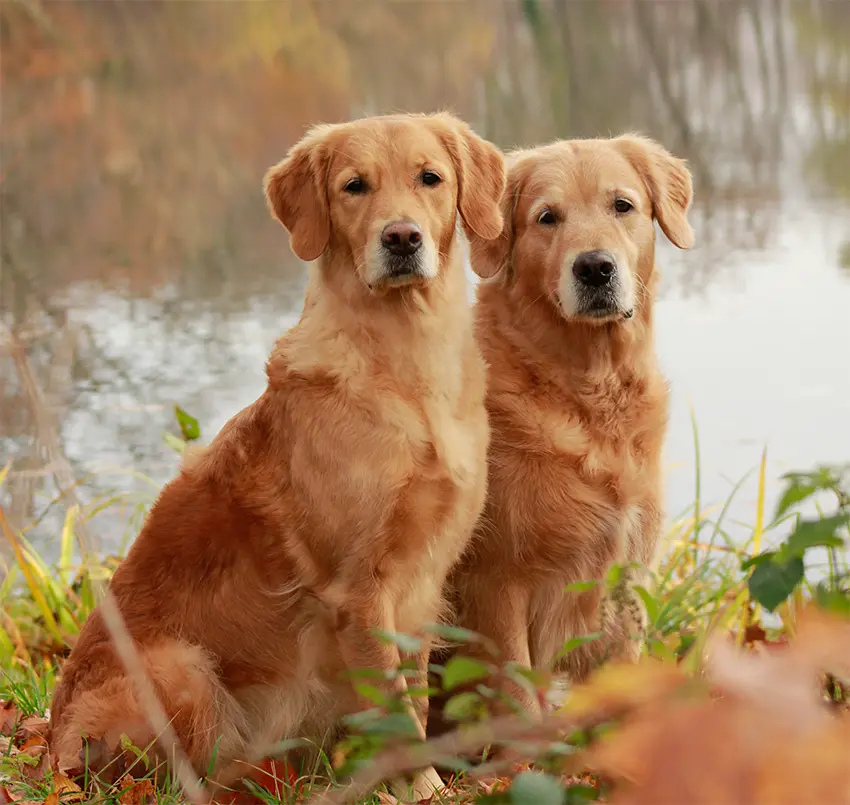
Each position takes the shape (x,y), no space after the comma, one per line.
(141,269)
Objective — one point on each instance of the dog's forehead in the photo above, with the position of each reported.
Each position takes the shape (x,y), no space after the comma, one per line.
(578,166)
(386,141)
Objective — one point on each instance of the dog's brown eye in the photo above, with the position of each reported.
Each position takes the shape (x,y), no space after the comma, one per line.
(430,178)
(547,217)
(622,206)
(355,186)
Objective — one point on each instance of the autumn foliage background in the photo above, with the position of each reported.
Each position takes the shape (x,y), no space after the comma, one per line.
(133,137)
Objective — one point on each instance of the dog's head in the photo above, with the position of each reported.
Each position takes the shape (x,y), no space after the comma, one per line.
(579,223)
(383,193)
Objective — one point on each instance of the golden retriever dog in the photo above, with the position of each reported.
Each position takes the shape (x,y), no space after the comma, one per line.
(577,404)
(334,505)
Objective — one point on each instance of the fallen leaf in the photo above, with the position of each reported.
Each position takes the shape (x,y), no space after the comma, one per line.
(385,798)
(30,726)
(271,773)
(9,717)
(135,792)
(36,772)
(66,788)
(623,685)
(32,743)
(768,739)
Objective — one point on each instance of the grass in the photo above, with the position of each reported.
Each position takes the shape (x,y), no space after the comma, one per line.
(706,583)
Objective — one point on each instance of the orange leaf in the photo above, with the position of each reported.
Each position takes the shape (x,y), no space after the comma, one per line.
(31,725)
(33,742)
(66,788)
(9,717)
(135,792)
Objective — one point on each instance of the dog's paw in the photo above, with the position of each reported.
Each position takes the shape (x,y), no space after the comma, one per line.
(424,785)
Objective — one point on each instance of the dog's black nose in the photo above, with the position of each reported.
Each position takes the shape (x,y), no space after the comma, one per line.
(594,269)
(402,238)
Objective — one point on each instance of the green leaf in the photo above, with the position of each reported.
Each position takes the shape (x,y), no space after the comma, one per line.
(649,603)
(372,694)
(798,489)
(686,641)
(454,633)
(464,707)
(533,788)
(772,582)
(613,576)
(530,680)
(189,426)
(422,692)
(392,724)
(574,642)
(455,764)
(405,642)
(460,670)
(753,561)
(280,748)
(581,794)
(659,650)
(815,533)
(581,586)
(177,445)
(833,599)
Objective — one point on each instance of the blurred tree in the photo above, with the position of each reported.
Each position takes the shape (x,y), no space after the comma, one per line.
(823,35)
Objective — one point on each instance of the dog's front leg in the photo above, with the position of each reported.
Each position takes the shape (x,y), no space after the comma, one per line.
(362,649)
(500,612)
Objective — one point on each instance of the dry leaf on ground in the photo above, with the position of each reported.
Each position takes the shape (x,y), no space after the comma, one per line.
(135,792)
(66,789)
(623,686)
(9,717)
(768,740)
(31,726)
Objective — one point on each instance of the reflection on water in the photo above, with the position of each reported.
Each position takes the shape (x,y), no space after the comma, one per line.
(140,267)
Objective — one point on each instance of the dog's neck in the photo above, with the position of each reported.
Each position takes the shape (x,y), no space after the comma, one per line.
(347,331)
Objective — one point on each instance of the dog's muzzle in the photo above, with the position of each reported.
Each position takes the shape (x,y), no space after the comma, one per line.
(595,274)
(401,242)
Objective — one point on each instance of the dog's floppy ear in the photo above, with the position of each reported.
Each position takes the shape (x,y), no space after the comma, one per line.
(669,183)
(480,169)
(297,197)
(489,257)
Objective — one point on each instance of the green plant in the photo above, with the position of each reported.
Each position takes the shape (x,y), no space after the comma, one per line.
(775,574)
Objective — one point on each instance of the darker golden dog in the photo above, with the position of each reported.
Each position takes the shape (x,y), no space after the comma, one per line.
(335,504)
(577,404)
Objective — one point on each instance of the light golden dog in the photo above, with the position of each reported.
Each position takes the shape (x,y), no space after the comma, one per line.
(335,504)
(577,404)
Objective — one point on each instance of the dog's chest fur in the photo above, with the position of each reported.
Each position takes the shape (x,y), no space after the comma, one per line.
(390,464)
(591,453)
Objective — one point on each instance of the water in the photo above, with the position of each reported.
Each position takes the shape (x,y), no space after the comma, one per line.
(140,267)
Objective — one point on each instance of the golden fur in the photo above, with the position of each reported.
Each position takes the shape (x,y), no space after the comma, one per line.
(577,404)
(337,502)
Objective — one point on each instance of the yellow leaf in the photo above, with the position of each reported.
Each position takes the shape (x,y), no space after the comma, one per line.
(27,570)
(622,685)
